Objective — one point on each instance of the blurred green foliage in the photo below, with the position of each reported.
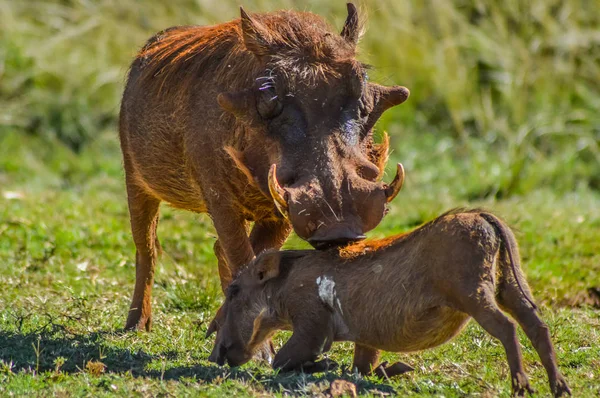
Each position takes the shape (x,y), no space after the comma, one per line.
(515,79)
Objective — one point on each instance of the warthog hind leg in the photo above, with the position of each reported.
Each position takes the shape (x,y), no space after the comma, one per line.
(483,308)
(143,211)
(511,299)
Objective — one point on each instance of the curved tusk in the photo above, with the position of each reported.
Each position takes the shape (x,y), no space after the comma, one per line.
(277,192)
(392,190)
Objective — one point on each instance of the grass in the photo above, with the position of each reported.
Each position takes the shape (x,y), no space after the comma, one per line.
(67,275)
(503,114)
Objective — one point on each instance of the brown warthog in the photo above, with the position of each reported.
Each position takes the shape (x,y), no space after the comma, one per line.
(210,112)
(404,293)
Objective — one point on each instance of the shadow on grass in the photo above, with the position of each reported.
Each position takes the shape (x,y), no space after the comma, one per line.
(290,383)
(22,350)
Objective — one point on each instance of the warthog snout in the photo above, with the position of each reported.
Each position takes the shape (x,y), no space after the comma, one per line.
(235,355)
(218,354)
(336,237)
(328,214)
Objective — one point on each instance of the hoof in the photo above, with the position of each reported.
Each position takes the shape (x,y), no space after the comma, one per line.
(520,386)
(521,390)
(561,389)
(138,324)
(396,369)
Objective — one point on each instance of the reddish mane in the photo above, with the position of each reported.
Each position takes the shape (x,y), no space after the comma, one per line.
(301,44)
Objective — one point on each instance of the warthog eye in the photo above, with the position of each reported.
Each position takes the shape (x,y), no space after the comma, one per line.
(232,291)
(268,103)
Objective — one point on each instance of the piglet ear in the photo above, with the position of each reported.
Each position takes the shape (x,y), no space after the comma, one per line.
(214,324)
(267,267)
(211,329)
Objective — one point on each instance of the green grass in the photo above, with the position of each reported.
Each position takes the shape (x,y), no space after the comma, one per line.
(503,114)
(67,275)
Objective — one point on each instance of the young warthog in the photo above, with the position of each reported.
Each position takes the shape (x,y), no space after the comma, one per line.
(404,293)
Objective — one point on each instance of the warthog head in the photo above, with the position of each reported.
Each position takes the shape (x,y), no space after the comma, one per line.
(312,110)
(248,318)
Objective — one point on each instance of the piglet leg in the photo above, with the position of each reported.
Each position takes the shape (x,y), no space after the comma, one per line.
(366,362)
(511,299)
(324,365)
(366,359)
(300,352)
(484,310)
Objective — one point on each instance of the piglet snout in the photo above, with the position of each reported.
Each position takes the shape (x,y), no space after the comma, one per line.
(218,354)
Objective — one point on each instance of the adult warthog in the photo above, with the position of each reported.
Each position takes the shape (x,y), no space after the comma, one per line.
(265,119)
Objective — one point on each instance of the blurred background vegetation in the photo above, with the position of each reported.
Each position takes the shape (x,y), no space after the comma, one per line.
(505,94)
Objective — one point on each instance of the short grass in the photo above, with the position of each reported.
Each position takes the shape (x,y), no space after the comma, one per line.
(67,273)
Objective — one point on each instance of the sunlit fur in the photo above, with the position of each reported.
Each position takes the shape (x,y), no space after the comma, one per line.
(194,135)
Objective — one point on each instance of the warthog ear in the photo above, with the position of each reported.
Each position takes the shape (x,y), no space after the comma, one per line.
(267,267)
(255,34)
(352,29)
(383,98)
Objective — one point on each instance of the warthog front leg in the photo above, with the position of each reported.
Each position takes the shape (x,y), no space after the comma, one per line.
(233,249)
(268,235)
(366,359)
(264,235)
(300,353)
(313,335)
